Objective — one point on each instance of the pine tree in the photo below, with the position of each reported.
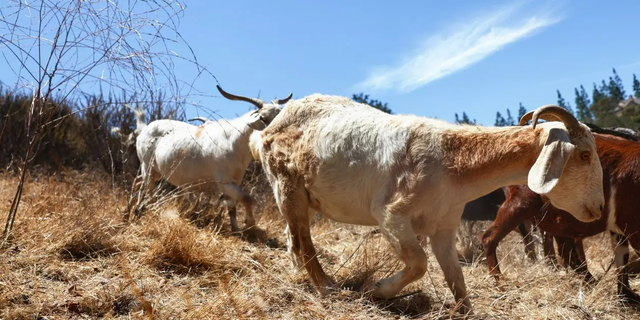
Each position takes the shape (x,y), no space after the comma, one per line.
(583,110)
(604,89)
(364,98)
(509,121)
(616,89)
(521,111)
(597,94)
(500,122)
(636,86)
(562,103)
(465,119)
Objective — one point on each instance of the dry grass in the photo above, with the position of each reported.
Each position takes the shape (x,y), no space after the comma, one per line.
(72,256)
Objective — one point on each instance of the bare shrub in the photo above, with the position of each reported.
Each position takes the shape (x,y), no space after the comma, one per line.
(62,51)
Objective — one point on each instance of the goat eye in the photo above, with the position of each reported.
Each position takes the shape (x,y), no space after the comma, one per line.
(586,155)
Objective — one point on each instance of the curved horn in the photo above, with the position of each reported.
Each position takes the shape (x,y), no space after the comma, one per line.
(527,116)
(203,119)
(254,101)
(283,101)
(553,112)
(130,107)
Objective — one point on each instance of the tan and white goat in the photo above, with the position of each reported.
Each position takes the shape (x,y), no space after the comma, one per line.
(413,175)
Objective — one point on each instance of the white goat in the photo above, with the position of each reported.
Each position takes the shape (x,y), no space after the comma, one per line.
(212,157)
(412,175)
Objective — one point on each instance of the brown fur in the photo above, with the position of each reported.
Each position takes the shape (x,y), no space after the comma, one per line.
(472,154)
(199,131)
(286,154)
(621,167)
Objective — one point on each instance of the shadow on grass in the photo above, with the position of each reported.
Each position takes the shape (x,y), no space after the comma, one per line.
(413,305)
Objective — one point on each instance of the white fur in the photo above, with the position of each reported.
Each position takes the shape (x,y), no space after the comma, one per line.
(611,219)
(212,157)
(620,250)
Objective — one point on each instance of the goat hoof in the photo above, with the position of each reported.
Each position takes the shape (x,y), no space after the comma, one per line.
(630,297)
(380,290)
(327,289)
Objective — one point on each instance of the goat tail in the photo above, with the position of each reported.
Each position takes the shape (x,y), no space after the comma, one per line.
(140,115)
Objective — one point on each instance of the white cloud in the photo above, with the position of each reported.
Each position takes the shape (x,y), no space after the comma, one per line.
(456,49)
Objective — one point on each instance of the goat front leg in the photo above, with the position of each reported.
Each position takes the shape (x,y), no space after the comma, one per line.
(443,244)
(507,219)
(548,249)
(582,258)
(230,204)
(235,193)
(571,251)
(525,230)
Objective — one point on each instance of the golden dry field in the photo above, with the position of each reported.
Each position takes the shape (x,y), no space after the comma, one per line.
(73,256)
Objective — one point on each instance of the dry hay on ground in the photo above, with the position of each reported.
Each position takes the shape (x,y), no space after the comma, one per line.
(72,256)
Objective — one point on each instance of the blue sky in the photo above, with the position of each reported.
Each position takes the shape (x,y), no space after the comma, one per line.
(430,58)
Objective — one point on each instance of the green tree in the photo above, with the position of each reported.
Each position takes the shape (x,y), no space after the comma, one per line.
(636,86)
(521,111)
(465,119)
(583,111)
(605,113)
(564,104)
(509,121)
(500,121)
(364,98)
(597,94)
(604,89)
(616,89)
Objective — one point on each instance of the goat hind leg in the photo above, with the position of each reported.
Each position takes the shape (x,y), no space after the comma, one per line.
(292,200)
(398,231)
(620,245)
(296,262)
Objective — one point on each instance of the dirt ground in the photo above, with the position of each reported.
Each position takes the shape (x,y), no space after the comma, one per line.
(73,256)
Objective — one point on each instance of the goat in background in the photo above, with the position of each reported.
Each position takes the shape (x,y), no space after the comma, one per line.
(212,157)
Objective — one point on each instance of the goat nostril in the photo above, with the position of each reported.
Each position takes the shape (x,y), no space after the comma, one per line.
(601,208)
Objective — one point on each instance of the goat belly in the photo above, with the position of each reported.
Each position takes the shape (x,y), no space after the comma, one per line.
(341,205)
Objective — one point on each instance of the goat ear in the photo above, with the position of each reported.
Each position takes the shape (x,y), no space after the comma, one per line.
(546,172)
(255,122)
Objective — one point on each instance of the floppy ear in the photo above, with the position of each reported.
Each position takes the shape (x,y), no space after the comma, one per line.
(546,172)
(256,122)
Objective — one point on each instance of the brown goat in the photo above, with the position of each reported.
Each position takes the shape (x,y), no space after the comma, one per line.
(620,159)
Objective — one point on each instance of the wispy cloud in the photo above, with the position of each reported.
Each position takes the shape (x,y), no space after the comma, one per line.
(629,65)
(457,48)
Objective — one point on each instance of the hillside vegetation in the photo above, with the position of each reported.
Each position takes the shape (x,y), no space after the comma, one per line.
(73,256)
